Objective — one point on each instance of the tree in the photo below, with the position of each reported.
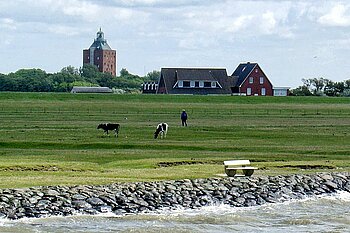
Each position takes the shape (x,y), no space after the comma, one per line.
(90,73)
(70,70)
(30,80)
(346,88)
(105,80)
(335,88)
(319,84)
(301,91)
(6,83)
(152,76)
(124,72)
(315,85)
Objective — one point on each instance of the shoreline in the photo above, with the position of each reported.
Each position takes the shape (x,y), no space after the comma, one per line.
(147,197)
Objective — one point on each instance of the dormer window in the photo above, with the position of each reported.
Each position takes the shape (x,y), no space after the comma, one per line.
(192,84)
(197,84)
(186,83)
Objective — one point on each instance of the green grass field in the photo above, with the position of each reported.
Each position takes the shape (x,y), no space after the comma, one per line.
(51,139)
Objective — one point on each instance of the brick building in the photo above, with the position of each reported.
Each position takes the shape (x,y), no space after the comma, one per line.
(250,79)
(101,55)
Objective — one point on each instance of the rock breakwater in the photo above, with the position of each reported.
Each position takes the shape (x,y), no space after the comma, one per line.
(132,198)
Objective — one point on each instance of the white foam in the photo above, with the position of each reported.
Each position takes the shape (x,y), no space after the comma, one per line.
(221,209)
(340,196)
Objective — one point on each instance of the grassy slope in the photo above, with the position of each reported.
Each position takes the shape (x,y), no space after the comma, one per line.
(51,139)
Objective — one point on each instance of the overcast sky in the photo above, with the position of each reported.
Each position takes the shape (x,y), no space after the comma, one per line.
(290,40)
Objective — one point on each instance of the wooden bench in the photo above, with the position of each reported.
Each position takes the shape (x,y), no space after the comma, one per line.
(232,166)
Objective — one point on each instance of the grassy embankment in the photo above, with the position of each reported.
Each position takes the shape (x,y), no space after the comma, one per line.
(51,139)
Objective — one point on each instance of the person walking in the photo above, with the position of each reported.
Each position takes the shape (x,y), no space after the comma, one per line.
(184,118)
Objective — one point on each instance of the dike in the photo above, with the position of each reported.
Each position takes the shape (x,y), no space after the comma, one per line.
(143,197)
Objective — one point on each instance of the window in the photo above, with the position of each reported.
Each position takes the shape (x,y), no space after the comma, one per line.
(186,83)
(207,84)
(192,83)
(263,91)
(256,70)
(180,83)
(213,84)
(201,84)
(249,91)
(261,80)
(197,84)
(251,80)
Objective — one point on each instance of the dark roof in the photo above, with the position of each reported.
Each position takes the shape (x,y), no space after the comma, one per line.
(195,74)
(242,71)
(91,90)
(171,75)
(100,42)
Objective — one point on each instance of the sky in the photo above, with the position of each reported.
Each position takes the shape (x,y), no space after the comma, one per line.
(290,40)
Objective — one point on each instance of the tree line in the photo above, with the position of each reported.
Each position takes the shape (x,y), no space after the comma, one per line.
(37,80)
(322,87)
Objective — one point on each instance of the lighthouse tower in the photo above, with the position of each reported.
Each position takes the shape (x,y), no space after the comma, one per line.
(101,55)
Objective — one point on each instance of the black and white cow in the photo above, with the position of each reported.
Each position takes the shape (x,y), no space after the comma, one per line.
(161,130)
(109,126)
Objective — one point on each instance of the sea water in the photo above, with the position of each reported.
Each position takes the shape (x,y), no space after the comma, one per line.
(317,214)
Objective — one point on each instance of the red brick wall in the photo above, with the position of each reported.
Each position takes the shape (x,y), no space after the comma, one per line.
(256,86)
(86,56)
(161,87)
(105,60)
(109,61)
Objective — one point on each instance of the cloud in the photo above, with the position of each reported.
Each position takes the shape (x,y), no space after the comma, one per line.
(64,30)
(239,23)
(8,23)
(339,15)
(268,23)
(88,11)
(155,3)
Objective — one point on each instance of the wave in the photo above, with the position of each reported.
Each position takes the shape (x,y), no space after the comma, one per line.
(341,197)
